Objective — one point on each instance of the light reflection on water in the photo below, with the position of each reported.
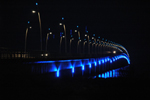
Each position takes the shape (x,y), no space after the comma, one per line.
(119,72)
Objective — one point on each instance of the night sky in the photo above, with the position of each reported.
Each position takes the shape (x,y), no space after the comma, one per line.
(125,23)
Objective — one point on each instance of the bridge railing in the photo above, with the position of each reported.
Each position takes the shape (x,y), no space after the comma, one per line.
(20,54)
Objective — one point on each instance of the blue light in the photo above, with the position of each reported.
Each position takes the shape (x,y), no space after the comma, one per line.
(70,32)
(121,56)
(95,63)
(64,60)
(110,73)
(90,40)
(82,67)
(99,37)
(90,66)
(57,73)
(72,63)
(60,34)
(116,58)
(36,4)
(93,34)
(99,75)
(77,59)
(71,36)
(48,28)
(28,22)
(103,75)
(105,60)
(94,77)
(113,73)
(72,69)
(113,59)
(79,37)
(62,18)
(110,61)
(53,36)
(77,26)
(87,31)
(44,62)
(102,61)
(99,62)
(84,39)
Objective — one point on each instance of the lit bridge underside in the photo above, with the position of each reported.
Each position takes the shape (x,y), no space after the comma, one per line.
(103,67)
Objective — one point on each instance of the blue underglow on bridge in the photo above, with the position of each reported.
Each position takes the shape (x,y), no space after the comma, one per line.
(72,64)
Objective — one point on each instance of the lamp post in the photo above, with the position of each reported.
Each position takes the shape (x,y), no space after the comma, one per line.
(92,47)
(65,35)
(65,38)
(78,42)
(60,42)
(102,46)
(70,44)
(95,45)
(84,45)
(88,45)
(47,39)
(78,49)
(88,42)
(33,11)
(106,44)
(27,29)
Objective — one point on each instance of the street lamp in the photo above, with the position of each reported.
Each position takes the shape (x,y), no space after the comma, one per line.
(60,42)
(94,43)
(47,39)
(65,35)
(75,31)
(84,45)
(60,23)
(27,29)
(70,44)
(33,11)
(92,47)
(61,37)
(78,40)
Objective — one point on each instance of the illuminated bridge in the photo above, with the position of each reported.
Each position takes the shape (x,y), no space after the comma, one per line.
(103,67)
(105,63)
(100,65)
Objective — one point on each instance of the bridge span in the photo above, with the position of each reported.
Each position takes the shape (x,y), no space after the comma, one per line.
(100,64)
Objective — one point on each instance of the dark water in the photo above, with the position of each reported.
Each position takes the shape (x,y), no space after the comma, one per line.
(128,82)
